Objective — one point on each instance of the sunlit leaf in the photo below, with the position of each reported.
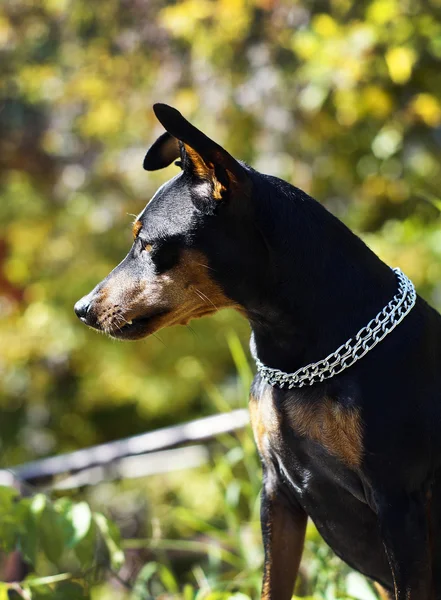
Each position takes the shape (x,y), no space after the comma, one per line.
(400,63)
(428,108)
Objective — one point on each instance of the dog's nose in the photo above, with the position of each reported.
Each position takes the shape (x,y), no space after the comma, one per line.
(81,308)
(85,310)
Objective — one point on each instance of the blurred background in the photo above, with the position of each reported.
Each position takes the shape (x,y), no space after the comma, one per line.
(339,97)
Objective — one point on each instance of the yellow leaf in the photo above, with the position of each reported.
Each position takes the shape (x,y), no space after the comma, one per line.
(427,108)
(377,101)
(305,44)
(183,18)
(103,119)
(325,26)
(382,11)
(400,62)
(347,106)
(56,7)
(88,86)
(233,17)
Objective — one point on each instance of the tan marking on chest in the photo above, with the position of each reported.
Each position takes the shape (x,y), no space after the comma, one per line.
(265,421)
(337,428)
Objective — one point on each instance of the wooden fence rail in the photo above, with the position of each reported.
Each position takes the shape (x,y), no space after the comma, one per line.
(122,458)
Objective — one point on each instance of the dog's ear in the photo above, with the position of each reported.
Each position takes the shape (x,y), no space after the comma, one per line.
(162,153)
(199,154)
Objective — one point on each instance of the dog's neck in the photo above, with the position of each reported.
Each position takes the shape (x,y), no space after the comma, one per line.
(323,284)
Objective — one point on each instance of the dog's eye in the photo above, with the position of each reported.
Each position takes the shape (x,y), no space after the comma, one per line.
(147,247)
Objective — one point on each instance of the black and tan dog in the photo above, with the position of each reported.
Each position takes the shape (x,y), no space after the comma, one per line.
(358,452)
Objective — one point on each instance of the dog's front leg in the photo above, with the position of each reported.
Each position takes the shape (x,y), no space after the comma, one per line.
(404,531)
(283,530)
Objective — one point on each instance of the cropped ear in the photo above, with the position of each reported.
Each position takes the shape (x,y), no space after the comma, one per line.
(200,154)
(162,153)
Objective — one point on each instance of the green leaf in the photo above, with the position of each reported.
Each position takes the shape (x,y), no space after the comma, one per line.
(55,587)
(77,519)
(112,539)
(50,529)
(38,504)
(11,518)
(81,518)
(168,579)
(8,534)
(188,592)
(86,549)
(7,495)
(140,588)
(29,537)
(69,590)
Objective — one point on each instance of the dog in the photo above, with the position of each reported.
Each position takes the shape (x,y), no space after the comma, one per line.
(346,403)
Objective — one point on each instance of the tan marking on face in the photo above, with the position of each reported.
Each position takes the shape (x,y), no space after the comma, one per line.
(136,229)
(265,421)
(185,292)
(191,289)
(205,171)
(338,429)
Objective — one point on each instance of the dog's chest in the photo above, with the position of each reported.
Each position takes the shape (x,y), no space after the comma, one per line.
(328,425)
(317,449)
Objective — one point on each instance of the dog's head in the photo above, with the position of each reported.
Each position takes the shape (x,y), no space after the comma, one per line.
(193,243)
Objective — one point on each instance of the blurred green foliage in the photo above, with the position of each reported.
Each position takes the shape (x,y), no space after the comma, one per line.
(57,533)
(202,542)
(342,98)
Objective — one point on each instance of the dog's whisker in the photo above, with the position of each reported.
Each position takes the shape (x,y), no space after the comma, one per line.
(200,296)
(206,266)
(204,296)
(193,331)
(123,319)
(159,339)
(117,321)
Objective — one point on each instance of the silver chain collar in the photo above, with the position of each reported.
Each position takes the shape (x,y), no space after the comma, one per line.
(355,348)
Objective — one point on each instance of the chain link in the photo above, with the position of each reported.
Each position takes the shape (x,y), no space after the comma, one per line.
(355,348)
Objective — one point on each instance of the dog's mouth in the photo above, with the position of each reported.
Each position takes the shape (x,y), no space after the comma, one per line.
(138,328)
(143,326)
